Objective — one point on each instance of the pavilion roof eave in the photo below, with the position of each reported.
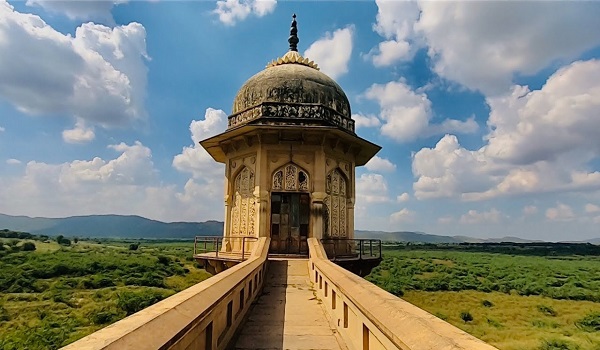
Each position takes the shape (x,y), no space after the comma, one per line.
(366,149)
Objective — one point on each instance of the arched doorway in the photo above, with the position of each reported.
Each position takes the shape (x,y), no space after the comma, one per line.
(290,210)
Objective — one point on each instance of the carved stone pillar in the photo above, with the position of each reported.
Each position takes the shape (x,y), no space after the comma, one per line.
(264,198)
(350,208)
(316,214)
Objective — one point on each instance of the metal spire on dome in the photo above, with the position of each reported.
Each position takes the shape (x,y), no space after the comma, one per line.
(292,56)
(293,39)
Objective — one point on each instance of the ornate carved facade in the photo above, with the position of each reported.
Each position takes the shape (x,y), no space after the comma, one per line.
(243,211)
(290,178)
(336,187)
(298,112)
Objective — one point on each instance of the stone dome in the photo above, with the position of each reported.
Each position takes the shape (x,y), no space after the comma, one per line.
(291,90)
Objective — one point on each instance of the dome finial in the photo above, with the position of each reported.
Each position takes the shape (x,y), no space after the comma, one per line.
(293,40)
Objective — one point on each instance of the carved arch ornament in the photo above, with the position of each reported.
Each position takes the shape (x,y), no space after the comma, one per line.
(290,178)
(243,210)
(336,221)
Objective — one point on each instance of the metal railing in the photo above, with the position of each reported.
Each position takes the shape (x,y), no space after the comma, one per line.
(228,247)
(345,249)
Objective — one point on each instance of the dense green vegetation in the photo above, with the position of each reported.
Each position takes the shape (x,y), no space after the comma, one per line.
(60,292)
(515,296)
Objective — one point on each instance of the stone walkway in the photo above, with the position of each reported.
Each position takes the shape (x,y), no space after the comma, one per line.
(288,315)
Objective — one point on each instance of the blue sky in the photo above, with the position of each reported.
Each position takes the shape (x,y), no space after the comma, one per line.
(488,112)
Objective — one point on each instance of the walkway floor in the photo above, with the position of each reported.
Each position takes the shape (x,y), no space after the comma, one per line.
(288,314)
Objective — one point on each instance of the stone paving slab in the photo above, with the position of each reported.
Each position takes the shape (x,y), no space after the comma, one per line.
(288,315)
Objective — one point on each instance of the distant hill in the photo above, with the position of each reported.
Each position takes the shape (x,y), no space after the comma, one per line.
(116,226)
(406,236)
(130,226)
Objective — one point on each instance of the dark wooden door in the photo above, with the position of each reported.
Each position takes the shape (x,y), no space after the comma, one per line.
(290,216)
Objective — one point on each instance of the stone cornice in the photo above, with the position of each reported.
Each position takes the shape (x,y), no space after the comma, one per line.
(293,112)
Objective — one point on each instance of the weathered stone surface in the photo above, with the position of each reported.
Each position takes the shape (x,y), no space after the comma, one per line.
(288,315)
(293,91)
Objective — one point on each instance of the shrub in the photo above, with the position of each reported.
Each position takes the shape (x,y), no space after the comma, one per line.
(134,301)
(165,260)
(97,282)
(557,344)
(28,246)
(487,303)
(590,323)
(546,310)
(134,246)
(4,316)
(104,316)
(394,288)
(466,316)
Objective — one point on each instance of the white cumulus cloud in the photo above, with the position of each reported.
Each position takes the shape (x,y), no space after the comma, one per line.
(12,161)
(365,121)
(480,217)
(332,52)
(98,75)
(484,44)
(592,208)
(561,212)
(126,184)
(395,22)
(372,188)
(79,134)
(406,114)
(404,197)
(530,210)
(88,9)
(194,159)
(232,11)
(403,215)
(378,164)
(539,141)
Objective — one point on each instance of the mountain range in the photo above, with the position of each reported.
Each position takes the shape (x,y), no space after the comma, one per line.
(131,226)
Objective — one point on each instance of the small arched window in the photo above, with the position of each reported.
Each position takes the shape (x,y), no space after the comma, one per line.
(290,178)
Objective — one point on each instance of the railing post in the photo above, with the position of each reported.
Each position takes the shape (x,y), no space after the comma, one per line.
(195,242)
(370,248)
(360,251)
(380,256)
(243,247)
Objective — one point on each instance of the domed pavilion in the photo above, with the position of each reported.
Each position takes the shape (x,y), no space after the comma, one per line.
(290,152)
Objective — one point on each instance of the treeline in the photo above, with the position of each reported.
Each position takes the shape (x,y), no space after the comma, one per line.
(510,248)
(445,269)
(6,233)
(16,241)
(84,269)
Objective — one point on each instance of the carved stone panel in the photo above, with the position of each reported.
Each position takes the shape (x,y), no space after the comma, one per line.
(243,211)
(290,178)
(335,186)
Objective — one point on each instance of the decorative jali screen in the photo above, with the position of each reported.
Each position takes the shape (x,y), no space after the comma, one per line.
(335,205)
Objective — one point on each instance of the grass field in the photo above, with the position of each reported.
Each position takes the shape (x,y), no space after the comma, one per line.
(514,297)
(515,302)
(57,294)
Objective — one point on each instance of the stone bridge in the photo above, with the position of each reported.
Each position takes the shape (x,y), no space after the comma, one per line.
(275,303)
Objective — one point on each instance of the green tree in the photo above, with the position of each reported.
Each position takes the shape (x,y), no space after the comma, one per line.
(28,246)
(466,316)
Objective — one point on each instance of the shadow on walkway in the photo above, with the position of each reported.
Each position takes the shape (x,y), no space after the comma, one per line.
(287,315)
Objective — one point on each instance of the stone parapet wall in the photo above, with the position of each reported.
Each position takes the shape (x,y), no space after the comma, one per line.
(369,318)
(204,316)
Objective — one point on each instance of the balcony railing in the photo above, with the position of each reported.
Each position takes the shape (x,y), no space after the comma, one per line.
(343,249)
(228,247)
